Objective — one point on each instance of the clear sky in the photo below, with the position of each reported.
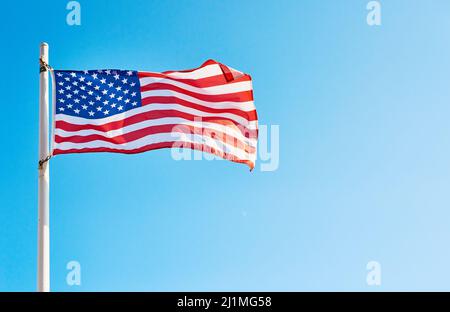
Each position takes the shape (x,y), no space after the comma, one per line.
(364,168)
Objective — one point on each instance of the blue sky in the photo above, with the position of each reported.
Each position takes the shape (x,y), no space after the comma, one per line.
(364,150)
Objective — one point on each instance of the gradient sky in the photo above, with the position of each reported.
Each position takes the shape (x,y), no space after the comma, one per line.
(364,170)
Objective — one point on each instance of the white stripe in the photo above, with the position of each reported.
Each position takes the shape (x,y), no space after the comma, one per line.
(160,138)
(159,122)
(243,106)
(193,111)
(215,90)
(204,72)
(252,125)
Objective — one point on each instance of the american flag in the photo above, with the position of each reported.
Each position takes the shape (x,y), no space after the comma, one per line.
(209,108)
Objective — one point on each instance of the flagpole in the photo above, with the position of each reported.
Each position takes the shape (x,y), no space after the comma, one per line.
(43,258)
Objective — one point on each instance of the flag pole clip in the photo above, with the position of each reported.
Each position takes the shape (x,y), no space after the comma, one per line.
(43,161)
(43,66)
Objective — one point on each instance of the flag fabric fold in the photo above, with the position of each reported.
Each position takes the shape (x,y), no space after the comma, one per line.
(209,108)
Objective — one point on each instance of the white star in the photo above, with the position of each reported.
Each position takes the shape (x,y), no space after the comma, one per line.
(61,83)
(75,91)
(61,100)
(84,97)
(103,80)
(98,97)
(59,74)
(129,73)
(110,84)
(127,101)
(69,96)
(86,72)
(75,83)
(119,98)
(84,106)
(116,76)
(112,95)
(82,88)
(81,78)
(89,83)
(67,79)
(124,80)
(126,91)
(99,108)
(106,112)
(120,107)
(61,109)
(69,105)
(133,94)
(77,111)
(133,84)
(94,76)
(134,103)
(99,71)
(105,102)
(61,91)
(108,72)
(97,87)
(90,92)
(105,92)
(68,87)
(77,101)
(113,105)
(91,113)
(119,88)
(73,74)
(91,103)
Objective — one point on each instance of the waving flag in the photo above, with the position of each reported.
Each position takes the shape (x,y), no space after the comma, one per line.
(209,108)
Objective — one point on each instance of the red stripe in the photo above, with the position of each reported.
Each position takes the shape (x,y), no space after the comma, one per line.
(250,116)
(243,96)
(226,72)
(155,146)
(212,81)
(140,133)
(114,125)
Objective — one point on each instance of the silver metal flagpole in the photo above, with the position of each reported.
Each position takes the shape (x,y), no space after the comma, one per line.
(43,269)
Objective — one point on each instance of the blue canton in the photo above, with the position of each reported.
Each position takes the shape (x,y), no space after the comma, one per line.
(96,94)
